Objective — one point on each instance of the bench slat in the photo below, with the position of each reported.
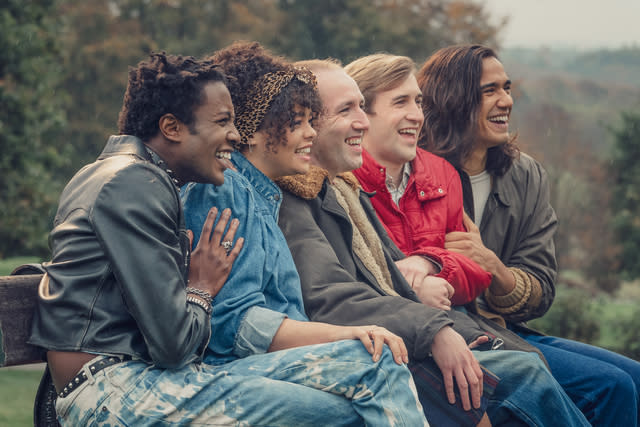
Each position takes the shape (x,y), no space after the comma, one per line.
(18,296)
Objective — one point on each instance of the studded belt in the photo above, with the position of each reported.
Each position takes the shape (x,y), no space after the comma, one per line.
(93,368)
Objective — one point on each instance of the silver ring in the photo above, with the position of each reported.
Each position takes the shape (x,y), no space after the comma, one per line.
(226,245)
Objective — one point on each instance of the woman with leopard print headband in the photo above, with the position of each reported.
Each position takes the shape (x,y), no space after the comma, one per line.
(260,308)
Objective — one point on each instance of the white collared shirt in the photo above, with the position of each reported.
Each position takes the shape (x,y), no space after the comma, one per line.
(398,191)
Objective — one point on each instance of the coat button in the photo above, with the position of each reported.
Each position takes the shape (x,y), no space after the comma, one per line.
(276,197)
(422,194)
(440,190)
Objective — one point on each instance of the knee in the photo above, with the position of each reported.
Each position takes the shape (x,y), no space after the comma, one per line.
(528,368)
(620,383)
(529,362)
(386,357)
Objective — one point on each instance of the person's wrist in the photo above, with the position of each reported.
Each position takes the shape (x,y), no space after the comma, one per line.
(200,302)
(204,295)
(503,281)
(433,266)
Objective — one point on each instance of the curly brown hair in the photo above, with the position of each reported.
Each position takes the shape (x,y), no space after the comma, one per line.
(248,63)
(165,84)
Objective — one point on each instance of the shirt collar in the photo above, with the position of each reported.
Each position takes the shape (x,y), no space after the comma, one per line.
(262,183)
(157,160)
(398,191)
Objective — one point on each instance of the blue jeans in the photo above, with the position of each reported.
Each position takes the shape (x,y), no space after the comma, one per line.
(431,391)
(527,394)
(603,384)
(327,384)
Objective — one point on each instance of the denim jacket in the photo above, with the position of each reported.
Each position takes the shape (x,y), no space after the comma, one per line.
(263,287)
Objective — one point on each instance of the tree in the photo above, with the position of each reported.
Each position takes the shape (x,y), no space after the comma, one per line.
(102,39)
(65,61)
(626,191)
(347,29)
(30,113)
(97,46)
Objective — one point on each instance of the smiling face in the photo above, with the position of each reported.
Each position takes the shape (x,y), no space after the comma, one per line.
(206,145)
(496,104)
(291,157)
(396,120)
(341,125)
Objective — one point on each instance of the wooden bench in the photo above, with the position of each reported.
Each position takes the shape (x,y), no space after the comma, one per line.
(17,303)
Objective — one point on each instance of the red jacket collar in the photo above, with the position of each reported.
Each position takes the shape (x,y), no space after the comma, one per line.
(372,175)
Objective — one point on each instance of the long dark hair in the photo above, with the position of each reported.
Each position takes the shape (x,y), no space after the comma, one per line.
(450,84)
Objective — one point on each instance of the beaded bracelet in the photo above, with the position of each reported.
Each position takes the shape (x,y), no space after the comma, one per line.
(199,302)
(202,294)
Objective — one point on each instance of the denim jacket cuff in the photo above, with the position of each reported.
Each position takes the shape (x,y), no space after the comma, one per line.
(256,331)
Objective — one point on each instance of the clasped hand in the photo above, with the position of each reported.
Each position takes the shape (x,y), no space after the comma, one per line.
(431,290)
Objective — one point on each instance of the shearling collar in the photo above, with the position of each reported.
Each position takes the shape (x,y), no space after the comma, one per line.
(308,186)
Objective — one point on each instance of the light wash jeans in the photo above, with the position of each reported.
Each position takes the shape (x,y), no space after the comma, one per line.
(326,384)
(527,394)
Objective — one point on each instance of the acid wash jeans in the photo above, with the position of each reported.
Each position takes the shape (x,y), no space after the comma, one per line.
(324,384)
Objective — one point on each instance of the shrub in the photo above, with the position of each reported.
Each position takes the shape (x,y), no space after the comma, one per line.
(571,316)
(626,331)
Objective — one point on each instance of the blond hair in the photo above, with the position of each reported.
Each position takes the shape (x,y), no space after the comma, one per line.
(378,73)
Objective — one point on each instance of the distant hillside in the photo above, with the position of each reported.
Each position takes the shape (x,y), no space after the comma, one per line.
(565,103)
(618,67)
(578,95)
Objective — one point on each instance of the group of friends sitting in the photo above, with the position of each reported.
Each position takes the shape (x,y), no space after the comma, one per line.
(278,243)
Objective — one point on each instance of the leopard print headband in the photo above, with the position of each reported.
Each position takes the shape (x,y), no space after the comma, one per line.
(249,114)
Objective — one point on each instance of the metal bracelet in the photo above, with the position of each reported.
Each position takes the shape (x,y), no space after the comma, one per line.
(199,302)
(202,294)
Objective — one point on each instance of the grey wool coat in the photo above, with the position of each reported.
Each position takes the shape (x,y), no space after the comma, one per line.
(337,287)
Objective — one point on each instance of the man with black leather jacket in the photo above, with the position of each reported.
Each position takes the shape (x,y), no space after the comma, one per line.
(124,308)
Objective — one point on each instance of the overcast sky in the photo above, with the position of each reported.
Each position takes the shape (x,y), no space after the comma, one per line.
(568,23)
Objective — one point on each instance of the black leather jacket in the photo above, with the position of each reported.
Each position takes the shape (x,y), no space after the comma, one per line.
(120,258)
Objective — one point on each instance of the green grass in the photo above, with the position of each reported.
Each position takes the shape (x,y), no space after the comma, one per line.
(612,311)
(17,392)
(7,265)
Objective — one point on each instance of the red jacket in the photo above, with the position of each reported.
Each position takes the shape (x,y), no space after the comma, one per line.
(430,207)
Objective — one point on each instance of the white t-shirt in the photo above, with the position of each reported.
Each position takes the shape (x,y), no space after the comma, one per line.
(481,187)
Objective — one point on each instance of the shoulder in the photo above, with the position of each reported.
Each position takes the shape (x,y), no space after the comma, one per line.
(526,170)
(122,191)
(306,186)
(525,182)
(233,193)
(126,177)
(435,164)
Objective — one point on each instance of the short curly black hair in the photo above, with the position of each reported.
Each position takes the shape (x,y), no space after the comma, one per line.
(165,84)
(245,62)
